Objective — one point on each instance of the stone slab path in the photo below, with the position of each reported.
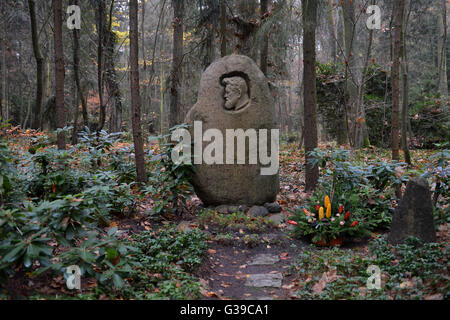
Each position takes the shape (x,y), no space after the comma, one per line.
(264,280)
(243,273)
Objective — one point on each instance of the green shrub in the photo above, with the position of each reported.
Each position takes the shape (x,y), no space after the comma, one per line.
(364,190)
(169,183)
(105,258)
(423,266)
(438,171)
(7,174)
(166,257)
(53,176)
(98,144)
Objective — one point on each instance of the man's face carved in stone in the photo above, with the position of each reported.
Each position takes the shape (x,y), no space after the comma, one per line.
(236,93)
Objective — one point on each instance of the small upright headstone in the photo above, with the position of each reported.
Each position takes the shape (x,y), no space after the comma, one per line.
(414,215)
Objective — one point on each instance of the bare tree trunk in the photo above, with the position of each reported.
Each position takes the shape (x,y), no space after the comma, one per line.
(4,67)
(39,64)
(309,82)
(399,8)
(76,70)
(246,27)
(100,17)
(47,81)
(405,109)
(59,72)
(340,31)
(265,41)
(351,91)
(111,76)
(223,28)
(47,77)
(332,31)
(360,125)
(135,96)
(25,121)
(145,89)
(177,69)
(214,12)
(76,106)
(442,54)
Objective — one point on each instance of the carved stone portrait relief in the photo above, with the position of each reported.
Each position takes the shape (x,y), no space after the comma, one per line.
(236,95)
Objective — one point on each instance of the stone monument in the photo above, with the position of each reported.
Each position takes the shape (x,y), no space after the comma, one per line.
(414,214)
(234,97)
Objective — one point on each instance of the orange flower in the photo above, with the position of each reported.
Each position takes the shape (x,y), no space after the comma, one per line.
(329,211)
(354,224)
(294,223)
(306,212)
(327,201)
(321,215)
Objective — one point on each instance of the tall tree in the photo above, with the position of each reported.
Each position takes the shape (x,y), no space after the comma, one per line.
(264,52)
(135,96)
(76,71)
(405,90)
(332,36)
(177,60)
(360,134)
(398,12)
(309,9)
(100,15)
(351,90)
(112,83)
(223,28)
(39,64)
(442,52)
(246,26)
(211,20)
(59,71)
(3,59)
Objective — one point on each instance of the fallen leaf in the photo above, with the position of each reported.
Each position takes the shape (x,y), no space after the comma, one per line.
(288,286)
(327,277)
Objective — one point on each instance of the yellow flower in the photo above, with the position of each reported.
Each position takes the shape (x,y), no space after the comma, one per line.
(327,201)
(321,216)
(329,211)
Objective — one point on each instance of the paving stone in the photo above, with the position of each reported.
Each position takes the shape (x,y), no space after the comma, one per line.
(272,280)
(258,211)
(273,207)
(264,259)
(277,218)
(223,209)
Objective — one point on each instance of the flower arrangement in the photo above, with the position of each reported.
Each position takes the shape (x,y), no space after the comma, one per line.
(327,223)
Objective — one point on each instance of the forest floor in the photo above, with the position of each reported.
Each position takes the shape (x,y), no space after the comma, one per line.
(260,258)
